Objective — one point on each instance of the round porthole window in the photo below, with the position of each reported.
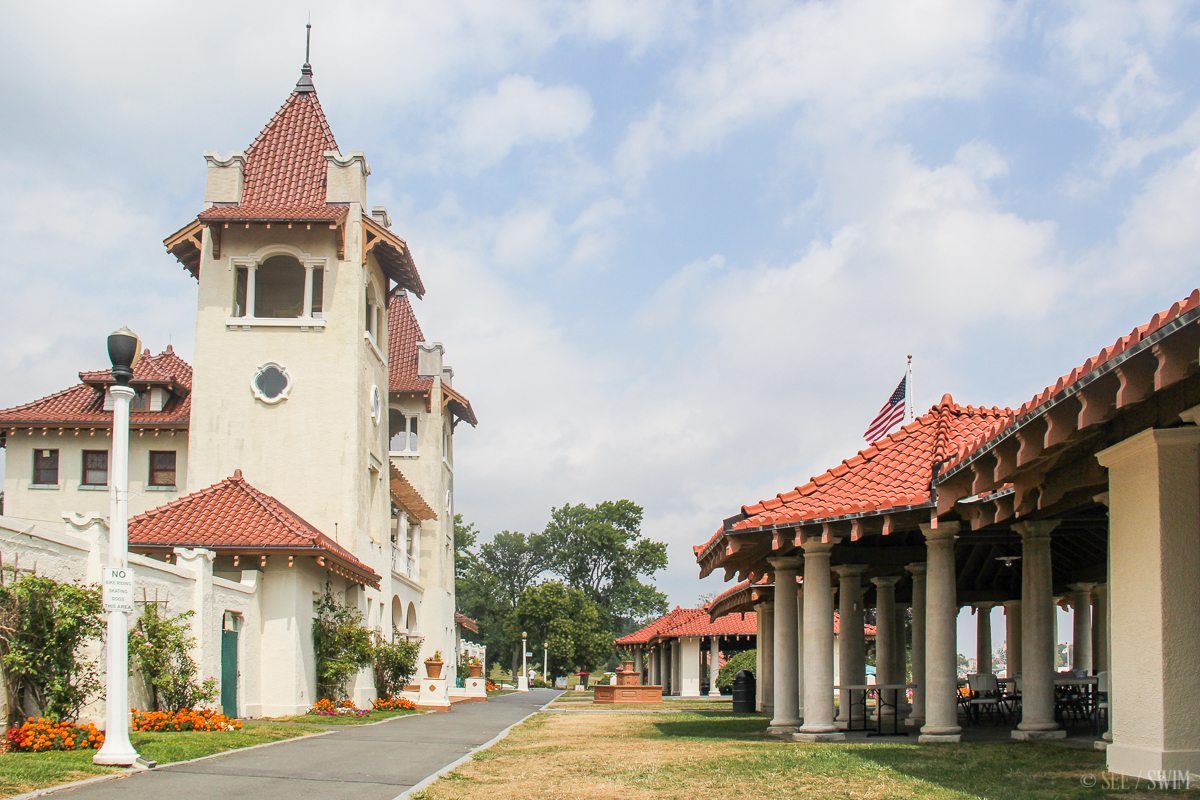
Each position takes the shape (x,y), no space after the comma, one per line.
(271,383)
(376,405)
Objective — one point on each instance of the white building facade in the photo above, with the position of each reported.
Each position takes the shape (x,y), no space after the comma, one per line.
(309,444)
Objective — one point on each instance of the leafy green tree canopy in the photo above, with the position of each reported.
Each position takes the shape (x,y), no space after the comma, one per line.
(570,624)
(601,551)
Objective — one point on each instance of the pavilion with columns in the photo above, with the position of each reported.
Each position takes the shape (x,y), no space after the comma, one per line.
(1089,492)
(677,649)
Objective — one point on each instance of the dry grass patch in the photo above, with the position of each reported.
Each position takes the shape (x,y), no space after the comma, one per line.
(693,754)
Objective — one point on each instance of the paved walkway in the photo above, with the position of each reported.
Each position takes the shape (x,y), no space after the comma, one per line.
(371,762)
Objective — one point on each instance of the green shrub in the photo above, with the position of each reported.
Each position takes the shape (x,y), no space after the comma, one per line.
(43,626)
(341,645)
(395,664)
(743,660)
(161,648)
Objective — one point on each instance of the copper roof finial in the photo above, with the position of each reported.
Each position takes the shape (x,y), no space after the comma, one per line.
(305,84)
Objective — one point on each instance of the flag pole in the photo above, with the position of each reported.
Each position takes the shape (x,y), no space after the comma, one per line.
(912,406)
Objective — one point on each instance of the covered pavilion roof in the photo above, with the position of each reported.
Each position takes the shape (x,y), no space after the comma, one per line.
(986,468)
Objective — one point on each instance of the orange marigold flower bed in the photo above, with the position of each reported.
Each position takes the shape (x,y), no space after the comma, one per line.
(492,686)
(326,707)
(187,719)
(393,704)
(38,734)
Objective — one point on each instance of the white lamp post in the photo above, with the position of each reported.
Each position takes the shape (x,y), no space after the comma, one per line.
(523,679)
(545,662)
(124,349)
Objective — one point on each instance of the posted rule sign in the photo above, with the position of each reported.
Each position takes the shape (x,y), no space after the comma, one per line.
(118,589)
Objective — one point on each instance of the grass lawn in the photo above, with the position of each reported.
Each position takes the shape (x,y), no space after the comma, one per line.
(583,700)
(24,772)
(321,721)
(721,754)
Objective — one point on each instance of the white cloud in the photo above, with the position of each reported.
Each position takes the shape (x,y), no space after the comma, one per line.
(849,66)
(520,111)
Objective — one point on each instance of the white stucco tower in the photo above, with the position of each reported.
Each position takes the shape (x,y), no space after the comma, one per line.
(290,373)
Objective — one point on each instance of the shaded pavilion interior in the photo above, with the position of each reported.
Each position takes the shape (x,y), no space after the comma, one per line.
(1088,494)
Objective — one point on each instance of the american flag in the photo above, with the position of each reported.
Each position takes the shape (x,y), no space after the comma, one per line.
(891,413)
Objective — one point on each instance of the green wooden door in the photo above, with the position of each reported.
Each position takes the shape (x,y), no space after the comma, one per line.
(229,673)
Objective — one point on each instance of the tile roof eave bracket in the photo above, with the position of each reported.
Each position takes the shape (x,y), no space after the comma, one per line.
(1073,389)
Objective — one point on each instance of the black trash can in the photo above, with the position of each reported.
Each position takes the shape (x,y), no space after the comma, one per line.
(743,692)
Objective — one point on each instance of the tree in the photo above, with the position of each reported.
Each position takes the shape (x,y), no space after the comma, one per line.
(465,536)
(491,584)
(568,622)
(600,550)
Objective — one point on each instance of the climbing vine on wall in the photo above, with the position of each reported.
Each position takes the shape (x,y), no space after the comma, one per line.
(160,647)
(44,626)
(341,644)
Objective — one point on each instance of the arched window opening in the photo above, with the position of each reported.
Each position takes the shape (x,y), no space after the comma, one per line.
(279,287)
(403,433)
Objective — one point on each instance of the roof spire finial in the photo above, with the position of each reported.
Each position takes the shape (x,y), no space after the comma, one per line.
(305,83)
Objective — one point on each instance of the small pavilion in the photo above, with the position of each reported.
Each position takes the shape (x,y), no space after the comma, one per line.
(677,649)
(1088,493)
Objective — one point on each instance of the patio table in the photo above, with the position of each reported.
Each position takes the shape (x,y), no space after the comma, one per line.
(880,690)
(1086,696)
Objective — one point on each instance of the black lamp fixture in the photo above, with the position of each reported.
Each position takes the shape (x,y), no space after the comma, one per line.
(124,350)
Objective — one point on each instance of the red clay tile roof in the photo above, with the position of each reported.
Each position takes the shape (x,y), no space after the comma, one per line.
(233,516)
(465,622)
(1034,405)
(647,633)
(728,625)
(83,404)
(284,176)
(893,472)
(404,332)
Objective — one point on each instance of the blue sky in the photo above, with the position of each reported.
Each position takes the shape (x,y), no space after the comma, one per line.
(677,251)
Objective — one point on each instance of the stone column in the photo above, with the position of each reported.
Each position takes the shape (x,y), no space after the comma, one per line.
(637,664)
(676,667)
(800,649)
(917,716)
(1154,599)
(852,646)
(767,644)
(885,628)
(1081,642)
(664,666)
(1100,628)
(983,638)
(760,638)
(689,666)
(818,646)
(714,665)
(786,717)
(941,635)
(1012,637)
(1037,634)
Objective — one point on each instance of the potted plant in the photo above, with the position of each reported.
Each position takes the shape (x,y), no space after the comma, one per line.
(476,667)
(434,664)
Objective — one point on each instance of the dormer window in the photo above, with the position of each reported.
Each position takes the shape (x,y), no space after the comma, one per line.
(278,287)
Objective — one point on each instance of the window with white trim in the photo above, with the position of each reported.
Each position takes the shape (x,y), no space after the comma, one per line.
(403,433)
(278,287)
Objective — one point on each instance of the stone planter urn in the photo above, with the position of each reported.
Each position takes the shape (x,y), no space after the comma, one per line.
(476,670)
(433,668)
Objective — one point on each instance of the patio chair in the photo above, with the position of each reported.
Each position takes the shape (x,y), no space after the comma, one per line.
(986,696)
(1100,707)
